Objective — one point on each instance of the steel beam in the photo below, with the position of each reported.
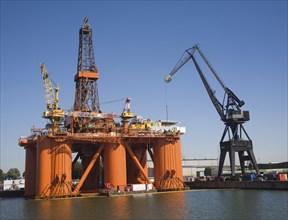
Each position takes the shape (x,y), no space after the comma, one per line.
(88,169)
(134,158)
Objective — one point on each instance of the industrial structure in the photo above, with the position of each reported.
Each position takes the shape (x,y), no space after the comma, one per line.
(234,138)
(113,155)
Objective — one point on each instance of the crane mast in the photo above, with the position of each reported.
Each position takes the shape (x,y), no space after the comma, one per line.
(235,137)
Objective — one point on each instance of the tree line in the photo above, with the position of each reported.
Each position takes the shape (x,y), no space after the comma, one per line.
(12,173)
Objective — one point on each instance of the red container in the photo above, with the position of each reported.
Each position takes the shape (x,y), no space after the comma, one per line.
(128,187)
(282,176)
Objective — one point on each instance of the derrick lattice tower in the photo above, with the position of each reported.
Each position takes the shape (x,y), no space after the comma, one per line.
(86,92)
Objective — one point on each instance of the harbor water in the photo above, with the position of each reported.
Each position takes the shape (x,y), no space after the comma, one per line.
(194,204)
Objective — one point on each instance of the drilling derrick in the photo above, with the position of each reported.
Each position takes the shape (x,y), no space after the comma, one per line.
(86,93)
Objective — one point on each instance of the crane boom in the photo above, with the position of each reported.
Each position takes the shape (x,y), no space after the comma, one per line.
(231,111)
(48,89)
(189,54)
(210,67)
(52,112)
(213,98)
(183,59)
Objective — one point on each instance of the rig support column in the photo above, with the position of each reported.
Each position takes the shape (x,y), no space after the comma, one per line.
(167,168)
(43,179)
(30,171)
(61,170)
(115,164)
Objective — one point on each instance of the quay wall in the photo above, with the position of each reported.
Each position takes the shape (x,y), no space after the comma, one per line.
(270,185)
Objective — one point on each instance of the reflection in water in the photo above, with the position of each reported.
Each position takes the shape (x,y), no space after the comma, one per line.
(201,204)
(120,208)
(48,209)
(170,205)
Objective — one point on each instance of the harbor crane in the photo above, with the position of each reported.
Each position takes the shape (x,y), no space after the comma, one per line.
(234,138)
(53,112)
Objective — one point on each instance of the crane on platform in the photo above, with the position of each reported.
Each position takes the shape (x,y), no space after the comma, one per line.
(126,114)
(53,112)
(230,113)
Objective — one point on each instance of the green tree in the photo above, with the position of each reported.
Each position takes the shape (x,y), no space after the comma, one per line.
(208,171)
(2,175)
(77,170)
(13,173)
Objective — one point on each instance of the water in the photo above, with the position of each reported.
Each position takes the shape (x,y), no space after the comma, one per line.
(200,204)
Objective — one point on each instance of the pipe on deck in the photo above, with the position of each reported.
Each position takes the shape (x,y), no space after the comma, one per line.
(115,164)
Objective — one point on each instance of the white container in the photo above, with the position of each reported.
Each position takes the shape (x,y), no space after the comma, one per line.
(149,186)
(14,184)
(138,187)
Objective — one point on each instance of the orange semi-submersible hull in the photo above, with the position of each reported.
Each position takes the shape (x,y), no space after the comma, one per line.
(123,162)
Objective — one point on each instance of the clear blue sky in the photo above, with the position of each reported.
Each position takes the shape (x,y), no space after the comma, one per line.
(136,45)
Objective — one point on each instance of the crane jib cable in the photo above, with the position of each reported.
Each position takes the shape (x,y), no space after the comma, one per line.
(112,101)
(166,102)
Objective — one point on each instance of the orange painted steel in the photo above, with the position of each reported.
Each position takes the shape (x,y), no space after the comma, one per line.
(115,164)
(124,158)
(178,158)
(61,170)
(30,171)
(43,178)
(167,168)
(93,75)
(92,180)
(91,133)
(54,169)
(125,125)
(88,169)
(134,175)
(137,163)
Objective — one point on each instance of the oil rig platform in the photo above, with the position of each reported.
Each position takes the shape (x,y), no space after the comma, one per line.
(113,155)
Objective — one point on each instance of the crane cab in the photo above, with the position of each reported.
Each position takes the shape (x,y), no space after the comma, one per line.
(237,115)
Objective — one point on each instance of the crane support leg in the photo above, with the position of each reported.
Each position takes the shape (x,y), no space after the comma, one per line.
(253,160)
(232,161)
(221,161)
(242,160)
